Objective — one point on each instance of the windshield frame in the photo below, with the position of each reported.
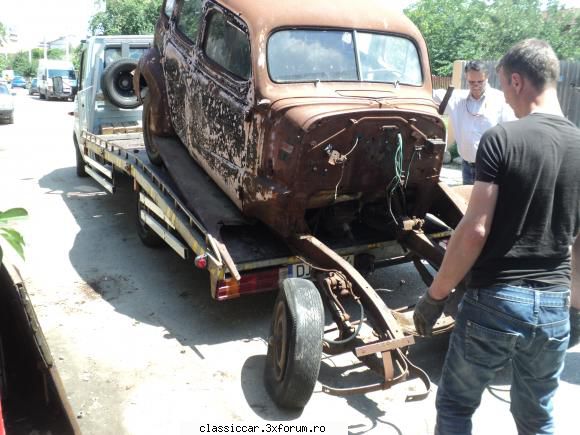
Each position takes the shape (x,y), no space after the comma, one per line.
(354,33)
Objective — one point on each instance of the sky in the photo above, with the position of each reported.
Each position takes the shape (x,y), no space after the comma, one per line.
(34,20)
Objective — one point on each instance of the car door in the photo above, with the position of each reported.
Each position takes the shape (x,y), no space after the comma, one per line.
(224,83)
(178,54)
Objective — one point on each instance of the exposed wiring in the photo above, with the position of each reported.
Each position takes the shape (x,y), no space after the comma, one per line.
(408,174)
(343,157)
(396,181)
(316,267)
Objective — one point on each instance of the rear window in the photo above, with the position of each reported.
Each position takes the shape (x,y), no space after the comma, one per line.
(342,55)
(114,53)
(65,73)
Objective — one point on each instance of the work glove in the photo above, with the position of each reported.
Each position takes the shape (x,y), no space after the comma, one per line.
(574,327)
(427,311)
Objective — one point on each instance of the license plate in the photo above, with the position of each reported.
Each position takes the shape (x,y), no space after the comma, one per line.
(302,270)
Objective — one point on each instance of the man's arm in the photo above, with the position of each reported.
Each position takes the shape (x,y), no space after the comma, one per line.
(467,240)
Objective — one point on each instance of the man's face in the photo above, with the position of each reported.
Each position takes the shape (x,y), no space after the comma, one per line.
(476,80)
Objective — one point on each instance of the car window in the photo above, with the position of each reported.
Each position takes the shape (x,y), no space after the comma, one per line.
(228,46)
(331,55)
(169,7)
(4,90)
(114,53)
(66,73)
(188,20)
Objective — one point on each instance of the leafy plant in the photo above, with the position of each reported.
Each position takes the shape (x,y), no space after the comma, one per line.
(13,237)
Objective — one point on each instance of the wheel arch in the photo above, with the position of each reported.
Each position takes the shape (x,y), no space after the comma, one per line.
(149,75)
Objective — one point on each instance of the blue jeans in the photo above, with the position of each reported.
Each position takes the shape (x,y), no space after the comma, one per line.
(497,326)
(467,172)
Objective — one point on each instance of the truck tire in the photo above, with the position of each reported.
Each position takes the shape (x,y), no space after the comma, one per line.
(147,236)
(295,344)
(80,162)
(117,84)
(150,148)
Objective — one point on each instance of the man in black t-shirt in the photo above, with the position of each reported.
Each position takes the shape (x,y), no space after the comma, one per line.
(520,239)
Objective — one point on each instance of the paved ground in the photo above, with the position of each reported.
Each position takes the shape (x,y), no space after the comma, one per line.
(139,343)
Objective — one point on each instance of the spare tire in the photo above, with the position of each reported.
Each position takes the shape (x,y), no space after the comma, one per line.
(117,84)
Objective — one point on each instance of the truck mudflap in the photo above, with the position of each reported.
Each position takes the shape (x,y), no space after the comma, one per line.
(31,391)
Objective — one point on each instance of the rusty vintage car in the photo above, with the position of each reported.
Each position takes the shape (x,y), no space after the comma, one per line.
(315,118)
(297,109)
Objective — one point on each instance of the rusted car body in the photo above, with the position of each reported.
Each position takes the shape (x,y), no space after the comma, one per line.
(299,109)
(315,118)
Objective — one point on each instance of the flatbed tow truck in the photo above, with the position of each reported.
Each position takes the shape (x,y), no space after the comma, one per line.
(201,224)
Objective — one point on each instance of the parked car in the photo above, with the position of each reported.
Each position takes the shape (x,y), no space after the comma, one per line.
(6,105)
(18,82)
(33,89)
(307,115)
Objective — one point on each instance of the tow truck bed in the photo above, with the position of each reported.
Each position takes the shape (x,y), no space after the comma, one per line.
(198,221)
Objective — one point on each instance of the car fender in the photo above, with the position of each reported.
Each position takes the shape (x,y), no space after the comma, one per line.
(148,78)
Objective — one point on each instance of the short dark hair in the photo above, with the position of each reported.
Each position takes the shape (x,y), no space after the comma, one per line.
(475,65)
(535,60)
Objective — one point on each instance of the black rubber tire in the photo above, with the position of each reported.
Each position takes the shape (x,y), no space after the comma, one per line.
(80,162)
(150,148)
(295,344)
(147,236)
(117,84)
(41,95)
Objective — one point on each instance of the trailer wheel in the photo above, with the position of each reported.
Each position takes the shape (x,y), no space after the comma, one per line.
(150,148)
(117,84)
(80,162)
(148,237)
(295,344)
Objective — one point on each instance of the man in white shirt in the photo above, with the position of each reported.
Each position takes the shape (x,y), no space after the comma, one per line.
(472,112)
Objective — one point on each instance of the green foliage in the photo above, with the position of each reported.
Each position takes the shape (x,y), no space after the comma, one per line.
(13,237)
(478,29)
(126,17)
(76,56)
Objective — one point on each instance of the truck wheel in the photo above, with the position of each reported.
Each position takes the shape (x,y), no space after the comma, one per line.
(117,84)
(295,344)
(148,237)
(150,148)
(41,95)
(80,162)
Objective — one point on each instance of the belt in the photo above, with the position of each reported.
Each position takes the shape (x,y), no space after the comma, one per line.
(472,164)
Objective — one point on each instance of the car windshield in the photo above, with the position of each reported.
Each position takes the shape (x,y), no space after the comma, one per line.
(65,73)
(336,55)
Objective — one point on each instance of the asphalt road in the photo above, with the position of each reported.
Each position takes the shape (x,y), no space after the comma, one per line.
(141,346)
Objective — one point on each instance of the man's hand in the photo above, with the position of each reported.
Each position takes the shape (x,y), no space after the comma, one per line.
(427,311)
(574,327)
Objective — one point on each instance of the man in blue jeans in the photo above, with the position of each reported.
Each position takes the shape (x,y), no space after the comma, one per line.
(520,240)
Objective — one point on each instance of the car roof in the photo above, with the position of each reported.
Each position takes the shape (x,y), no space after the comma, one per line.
(373,15)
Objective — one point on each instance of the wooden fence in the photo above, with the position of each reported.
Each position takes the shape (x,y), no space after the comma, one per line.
(441,82)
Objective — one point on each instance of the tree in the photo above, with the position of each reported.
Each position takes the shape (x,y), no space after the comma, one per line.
(126,17)
(478,29)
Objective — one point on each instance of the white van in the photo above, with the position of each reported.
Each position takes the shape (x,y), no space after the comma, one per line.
(56,79)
